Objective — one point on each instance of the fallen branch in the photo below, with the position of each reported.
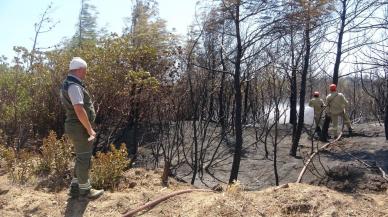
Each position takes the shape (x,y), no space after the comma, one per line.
(313,155)
(383,173)
(155,202)
(281,186)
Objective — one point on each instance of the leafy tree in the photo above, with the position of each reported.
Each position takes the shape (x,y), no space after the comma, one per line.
(86,26)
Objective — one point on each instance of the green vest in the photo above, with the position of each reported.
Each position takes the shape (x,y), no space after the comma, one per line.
(71,116)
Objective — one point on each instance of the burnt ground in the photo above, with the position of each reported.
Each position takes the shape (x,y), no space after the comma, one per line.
(350,165)
(358,186)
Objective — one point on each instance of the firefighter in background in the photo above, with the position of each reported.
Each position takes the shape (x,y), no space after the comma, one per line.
(336,104)
(317,104)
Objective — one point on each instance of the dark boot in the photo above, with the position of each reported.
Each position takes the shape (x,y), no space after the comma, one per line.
(74,190)
(318,132)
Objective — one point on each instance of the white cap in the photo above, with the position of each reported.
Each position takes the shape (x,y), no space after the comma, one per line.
(77,63)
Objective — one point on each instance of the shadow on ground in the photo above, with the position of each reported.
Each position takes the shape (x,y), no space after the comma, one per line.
(76,207)
(373,158)
(356,171)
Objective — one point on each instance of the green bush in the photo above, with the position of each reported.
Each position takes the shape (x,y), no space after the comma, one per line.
(108,168)
(56,156)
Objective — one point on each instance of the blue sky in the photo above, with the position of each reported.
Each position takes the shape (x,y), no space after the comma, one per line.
(17,18)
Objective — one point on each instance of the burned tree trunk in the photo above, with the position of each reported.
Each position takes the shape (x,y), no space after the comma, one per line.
(238,100)
(326,124)
(293,97)
(386,108)
(296,136)
(293,84)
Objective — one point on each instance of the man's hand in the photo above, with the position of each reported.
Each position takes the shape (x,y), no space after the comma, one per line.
(92,135)
(91,132)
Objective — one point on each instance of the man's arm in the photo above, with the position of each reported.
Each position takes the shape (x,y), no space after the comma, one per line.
(84,119)
(345,101)
(322,103)
(311,103)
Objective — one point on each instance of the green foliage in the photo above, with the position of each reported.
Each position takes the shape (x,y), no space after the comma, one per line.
(142,78)
(15,98)
(55,160)
(124,75)
(56,156)
(146,27)
(108,168)
(86,26)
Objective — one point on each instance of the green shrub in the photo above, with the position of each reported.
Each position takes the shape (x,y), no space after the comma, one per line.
(56,156)
(108,168)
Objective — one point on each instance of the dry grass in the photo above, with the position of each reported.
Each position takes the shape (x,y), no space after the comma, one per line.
(294,200)
(18,165)
(140,186)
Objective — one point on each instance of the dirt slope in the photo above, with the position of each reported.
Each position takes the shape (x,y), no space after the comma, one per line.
(142,186)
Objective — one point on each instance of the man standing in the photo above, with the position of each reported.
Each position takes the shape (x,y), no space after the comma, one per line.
(336,103)
(317,104)
(79,115)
